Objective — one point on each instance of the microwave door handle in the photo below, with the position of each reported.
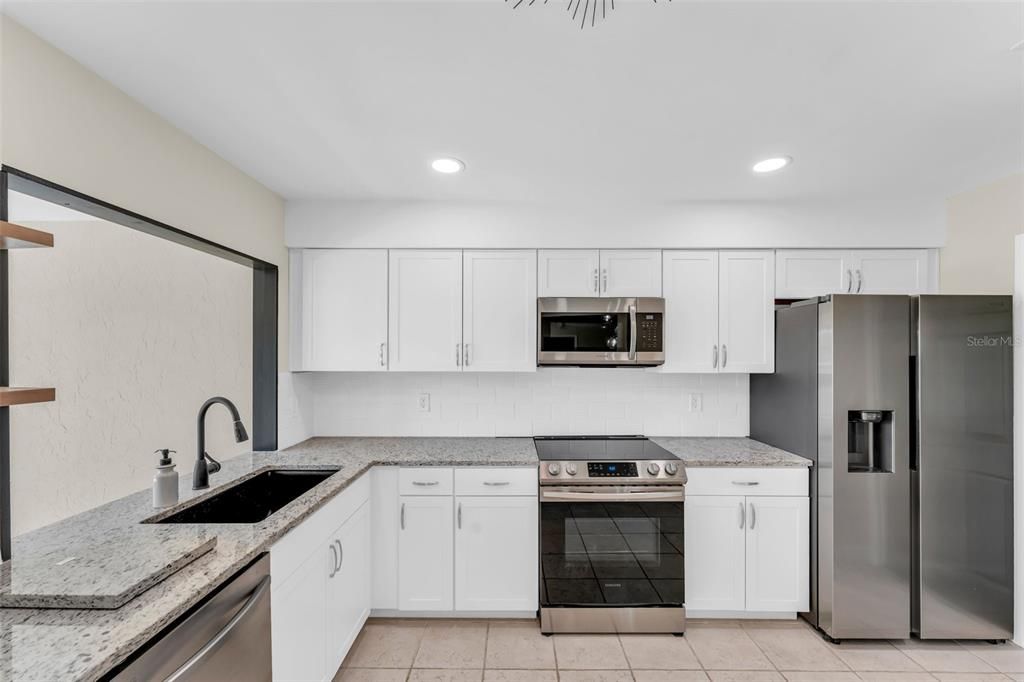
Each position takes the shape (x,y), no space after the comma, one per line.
(632,332)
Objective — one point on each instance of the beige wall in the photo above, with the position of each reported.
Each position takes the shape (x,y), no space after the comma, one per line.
(62,122)
(981,225)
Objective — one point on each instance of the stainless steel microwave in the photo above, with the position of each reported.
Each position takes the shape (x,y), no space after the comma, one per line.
(600,331)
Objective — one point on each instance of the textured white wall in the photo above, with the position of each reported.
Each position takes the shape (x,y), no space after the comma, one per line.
(550,401)
(135,332)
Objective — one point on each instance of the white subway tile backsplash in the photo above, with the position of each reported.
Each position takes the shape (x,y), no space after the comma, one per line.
(562,400)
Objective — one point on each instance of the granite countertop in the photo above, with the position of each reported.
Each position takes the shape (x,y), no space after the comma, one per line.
(729,452)
(83,644)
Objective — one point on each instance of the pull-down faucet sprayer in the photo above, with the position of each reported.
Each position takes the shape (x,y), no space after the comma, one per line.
(206,465)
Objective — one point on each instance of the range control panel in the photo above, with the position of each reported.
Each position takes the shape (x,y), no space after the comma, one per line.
(612,469)
(649,332)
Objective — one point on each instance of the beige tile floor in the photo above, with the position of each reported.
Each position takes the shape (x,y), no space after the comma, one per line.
(720,651)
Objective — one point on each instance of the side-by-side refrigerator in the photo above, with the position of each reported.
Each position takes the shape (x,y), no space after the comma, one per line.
(905,405)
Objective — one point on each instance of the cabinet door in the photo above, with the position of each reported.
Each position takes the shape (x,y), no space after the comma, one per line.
(425,311)
(715,567)
(564,272)
(778,554)
(496,553)
(298,615)
(631,273)
(804,273)
(691,311)
(425,551)
(344,309)
(348,586)
(892,271)
(746,313)
(499,311)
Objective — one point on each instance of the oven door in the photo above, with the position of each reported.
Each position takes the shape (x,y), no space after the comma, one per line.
(599,331)
(616,546)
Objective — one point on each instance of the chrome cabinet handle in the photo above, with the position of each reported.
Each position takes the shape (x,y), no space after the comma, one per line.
(746,482)
(860,281)
(186,670)
(714,356)
(604,279)
(458,355)
(725,355)
(753,515)
(341,554)
(402,521)
(743,514)
(849,281)
(459,515)
(426,483)
(334,560)
(465,355)
(595,281)
(632,331)
(381,354)
(496,482)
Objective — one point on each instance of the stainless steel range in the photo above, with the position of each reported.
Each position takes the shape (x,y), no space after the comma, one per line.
(611,514)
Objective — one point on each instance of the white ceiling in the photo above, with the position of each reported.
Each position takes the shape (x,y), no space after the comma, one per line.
(660,102)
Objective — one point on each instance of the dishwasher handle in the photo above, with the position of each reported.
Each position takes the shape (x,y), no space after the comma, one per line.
(211,647)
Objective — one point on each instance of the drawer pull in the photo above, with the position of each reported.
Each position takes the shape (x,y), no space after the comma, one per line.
(426,483)
(496,483)
(746,483)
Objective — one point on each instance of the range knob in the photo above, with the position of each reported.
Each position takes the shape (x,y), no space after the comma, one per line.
(554,469)
(671,468)
(570,469)
(653,468)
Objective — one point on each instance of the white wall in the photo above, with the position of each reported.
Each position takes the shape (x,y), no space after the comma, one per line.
(982,223)
(550,401)
(62,122)
(135,332)
(411,224)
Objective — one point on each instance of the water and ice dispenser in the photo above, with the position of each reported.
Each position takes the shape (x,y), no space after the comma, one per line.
(870,441)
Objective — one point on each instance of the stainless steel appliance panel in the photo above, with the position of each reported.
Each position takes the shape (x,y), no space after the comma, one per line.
(600,331)
(864,515)
(226,637)
(964,494)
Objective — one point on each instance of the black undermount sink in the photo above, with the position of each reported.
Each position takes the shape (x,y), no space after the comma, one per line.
(252,500)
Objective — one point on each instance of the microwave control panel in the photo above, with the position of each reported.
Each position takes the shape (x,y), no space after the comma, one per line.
(649,332)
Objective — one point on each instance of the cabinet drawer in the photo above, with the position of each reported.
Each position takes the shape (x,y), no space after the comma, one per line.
(310,536)
(788,481)
(496,481)
(425,481)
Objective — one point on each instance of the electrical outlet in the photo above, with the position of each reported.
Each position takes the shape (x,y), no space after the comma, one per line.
(423,403)
(696,402)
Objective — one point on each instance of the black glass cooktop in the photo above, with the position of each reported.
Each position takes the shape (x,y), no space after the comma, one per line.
(596,448)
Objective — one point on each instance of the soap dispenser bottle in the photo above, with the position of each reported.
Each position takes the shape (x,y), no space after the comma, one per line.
(165,482)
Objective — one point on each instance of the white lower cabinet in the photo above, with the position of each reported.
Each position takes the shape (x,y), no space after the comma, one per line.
(747,553)
(496,553)
(348,593)
(298,615)
(425,545)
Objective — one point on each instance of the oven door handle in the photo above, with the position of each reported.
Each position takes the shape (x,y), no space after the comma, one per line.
(572,496)
(632,332)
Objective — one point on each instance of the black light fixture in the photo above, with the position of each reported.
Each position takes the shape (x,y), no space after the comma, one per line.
(590,9)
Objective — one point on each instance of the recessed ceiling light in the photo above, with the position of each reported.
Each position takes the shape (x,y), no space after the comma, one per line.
(447,165)
(772,165)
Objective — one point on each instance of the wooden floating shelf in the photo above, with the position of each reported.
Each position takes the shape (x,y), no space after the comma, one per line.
(20,237)
(10,395)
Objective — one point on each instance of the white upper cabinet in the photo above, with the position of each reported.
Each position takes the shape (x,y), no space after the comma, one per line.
(340,307)
(613,273)
(805,273)
(425,311)
(499,311)
(746,318)
(691,311)
(891,271)
(564,272)
(631,273)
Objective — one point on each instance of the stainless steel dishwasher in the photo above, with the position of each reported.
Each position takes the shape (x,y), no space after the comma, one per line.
(224,637)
